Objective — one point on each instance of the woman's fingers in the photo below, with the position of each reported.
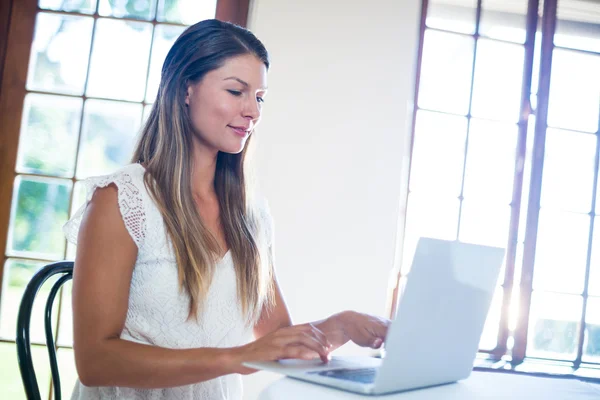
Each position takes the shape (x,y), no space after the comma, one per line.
(304,342)
(366,330)
(320,335)
(311,333)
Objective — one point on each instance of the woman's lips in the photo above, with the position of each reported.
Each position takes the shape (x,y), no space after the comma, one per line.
(239,131)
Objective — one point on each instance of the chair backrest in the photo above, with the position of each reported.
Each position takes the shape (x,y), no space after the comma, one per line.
(64,268)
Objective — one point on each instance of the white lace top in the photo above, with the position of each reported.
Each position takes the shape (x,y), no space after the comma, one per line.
(157,311)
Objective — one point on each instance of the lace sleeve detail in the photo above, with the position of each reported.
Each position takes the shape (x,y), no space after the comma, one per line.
(131,205)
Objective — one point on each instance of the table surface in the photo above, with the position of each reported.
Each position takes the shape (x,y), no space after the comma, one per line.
(480,385)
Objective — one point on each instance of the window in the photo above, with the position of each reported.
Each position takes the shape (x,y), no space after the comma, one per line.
(92,73)
(505,153)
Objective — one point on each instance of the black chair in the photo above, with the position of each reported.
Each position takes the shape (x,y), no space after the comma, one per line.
(65,268)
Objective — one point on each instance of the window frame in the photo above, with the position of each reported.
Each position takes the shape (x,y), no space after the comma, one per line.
(18,17)
(501,357)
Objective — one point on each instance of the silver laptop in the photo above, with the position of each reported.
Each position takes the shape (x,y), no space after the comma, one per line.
(435,336)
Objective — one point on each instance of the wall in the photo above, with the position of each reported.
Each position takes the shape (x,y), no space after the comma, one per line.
(331,149)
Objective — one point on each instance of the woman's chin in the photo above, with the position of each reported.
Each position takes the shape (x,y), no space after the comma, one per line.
(234,148)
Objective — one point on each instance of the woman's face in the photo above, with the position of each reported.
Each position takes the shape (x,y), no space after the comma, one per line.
(225,105)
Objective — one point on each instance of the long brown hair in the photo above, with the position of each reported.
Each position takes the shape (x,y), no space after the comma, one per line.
(164,149)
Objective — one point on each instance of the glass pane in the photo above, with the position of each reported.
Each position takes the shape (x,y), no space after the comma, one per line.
(119,59)
(561,252)
(591,344)
(535,73)
(68,371)
(11,385)
(128,9)
(438,153)
(452,15)
(491,161)
(446,88)
(65,331)
(186,12)
(484,223)
(554,326)
(574,91)
(80,6)
(164,37)
(60,53)
(504,20)
(498,76)
(578,25)
(76,202)
(39,210)
(594,281)
(49,134)
(568,176)
(428,216)
(17,274)
(108,136)
(147,110)
(489,338)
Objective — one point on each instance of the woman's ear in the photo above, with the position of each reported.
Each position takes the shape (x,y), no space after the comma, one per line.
(188,92)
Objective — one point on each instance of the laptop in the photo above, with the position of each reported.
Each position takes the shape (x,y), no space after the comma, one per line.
(435,336)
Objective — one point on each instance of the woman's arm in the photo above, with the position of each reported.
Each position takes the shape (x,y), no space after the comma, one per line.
(106,255)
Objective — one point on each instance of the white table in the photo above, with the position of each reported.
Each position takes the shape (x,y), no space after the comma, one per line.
(480,385)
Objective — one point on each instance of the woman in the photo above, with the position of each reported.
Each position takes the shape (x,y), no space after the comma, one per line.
(174,268)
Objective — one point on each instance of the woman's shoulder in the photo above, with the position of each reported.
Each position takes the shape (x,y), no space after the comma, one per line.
(132,174)
(133,169)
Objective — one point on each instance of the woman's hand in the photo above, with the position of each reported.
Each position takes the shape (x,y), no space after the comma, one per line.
(363,329)
(304,342)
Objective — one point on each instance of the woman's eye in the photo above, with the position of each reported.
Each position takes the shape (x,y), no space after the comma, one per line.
(235,92)
(260,99)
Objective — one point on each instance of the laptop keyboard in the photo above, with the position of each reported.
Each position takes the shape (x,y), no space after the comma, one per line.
(362,375)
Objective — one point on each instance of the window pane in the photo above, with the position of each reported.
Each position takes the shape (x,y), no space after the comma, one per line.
(553,326)
(65,331)
(76,202)
(60,53)
(186,11)
(491,161)
(128,9)
(108,136)
(457,16)
(498,76)
(561,252)
(17,274)
(591,344)
(68,371)
(568,176)
(594,281)
(11,385)
(81,6)
(446,72)
(438,153)
(428,216)
(49,134)
(574,91)
(164,37)
(39,210)
(484,223)
(489,338)
(147,110)
(119,59)
(578,25)
(504,20)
